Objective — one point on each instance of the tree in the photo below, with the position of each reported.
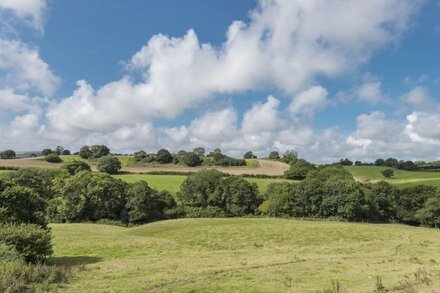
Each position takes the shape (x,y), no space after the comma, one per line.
(358,163)
(46,152)
(65,153)
(391,162)
(429,214)
(58,150)
(52,158)
(198,187)
(290,157)
(99,151)
(274,155)
(379,162)
(387,173)
(108,164)
(345,162)
(76,166)
(237,197)
(191,159)
(249,155)
(199,151)
(7,154)
(163,156)
(85,152)
(140,155)
(299,170)
(145,204)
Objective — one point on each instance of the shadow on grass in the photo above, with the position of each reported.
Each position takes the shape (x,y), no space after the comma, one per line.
(74,260)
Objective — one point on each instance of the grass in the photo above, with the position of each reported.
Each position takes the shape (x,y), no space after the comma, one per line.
(249,255)
(401,177)
(252,163)
(172,182)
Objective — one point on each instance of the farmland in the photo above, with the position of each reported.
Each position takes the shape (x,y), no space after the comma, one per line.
(401,178)
(249,255)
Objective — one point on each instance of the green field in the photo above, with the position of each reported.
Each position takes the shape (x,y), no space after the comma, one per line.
(249,255)
(172,182)
(401,178)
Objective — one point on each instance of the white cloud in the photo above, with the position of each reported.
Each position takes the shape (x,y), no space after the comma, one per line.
(30,11)
(285,44)
(22,68)
(370,92)
(419,99)
(309,101)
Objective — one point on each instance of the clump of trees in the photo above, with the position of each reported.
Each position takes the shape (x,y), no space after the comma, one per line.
(94,151)
(108,164)
(249,155)
(59,150)
(7,154)
(299,170)
(217,158)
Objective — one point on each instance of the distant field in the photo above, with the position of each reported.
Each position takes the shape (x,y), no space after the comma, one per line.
(172,182)
(401,178)
(249,255)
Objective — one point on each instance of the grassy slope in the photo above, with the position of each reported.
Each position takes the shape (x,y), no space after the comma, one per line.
(172,182)
(401,178)
(246,255)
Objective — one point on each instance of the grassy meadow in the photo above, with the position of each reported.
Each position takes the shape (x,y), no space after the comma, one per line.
(172,182)
(249,255)
(401,177)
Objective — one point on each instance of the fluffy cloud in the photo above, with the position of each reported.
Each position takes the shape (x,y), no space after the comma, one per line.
(22,68)
(285,44)
(30,11)
(370,92)
(309,101)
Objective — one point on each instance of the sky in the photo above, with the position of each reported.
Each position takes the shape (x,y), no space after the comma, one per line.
(329,79)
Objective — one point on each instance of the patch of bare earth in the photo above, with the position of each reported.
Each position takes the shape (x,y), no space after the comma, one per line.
(28,163)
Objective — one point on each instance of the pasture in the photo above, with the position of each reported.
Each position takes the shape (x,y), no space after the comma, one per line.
(249,255)
(172,182)
(401,178)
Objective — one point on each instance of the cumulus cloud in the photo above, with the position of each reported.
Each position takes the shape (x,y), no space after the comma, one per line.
(30,11)
(309,101)
(370,92)
(22,68)
(285,44)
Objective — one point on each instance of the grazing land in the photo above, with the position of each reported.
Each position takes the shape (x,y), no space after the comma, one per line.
(249,255)
(172,182)
(402,178)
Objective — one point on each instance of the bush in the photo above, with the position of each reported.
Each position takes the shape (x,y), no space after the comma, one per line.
(22,205)
(208,212)
(163,156)
(192,159)
(7,154)
(8,253)
(30,241)
(76,166)
(229,162)
(387,173)
(108,164)
(89,196)
(145,204)
(66,153)
(52,158)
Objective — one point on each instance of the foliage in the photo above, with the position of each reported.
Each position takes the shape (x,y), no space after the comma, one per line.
(58,150)
(387,173)
(249,155)
(108,164)
(145,204)
(46,152)
(191,159)
(199,151)
(99,151)
(65,153)
(274,155)
(7,154)
(140,155)
(290,157)
(76,166)
(345,162)
(52,158)
(163,156)
(30,241)
(299,170)
(85,152)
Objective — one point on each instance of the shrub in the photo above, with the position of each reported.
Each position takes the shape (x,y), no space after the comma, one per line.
(387,173)
(89,196)
(208,212)
(192,159)
(108,164)
(22,205)
(226,161)
(76,166)
(30,241)
(52,158)
(145,204)
(85,152)
(163,156)
(7,154)
(8,253)
(66,153)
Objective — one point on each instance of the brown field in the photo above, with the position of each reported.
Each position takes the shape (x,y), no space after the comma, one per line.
(265,167)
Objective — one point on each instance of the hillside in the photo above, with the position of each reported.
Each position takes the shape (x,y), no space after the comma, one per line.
(248,255)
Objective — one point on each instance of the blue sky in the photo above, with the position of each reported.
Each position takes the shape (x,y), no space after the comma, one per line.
(330,80)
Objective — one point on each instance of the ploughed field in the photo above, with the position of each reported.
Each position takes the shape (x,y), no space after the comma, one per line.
(401,178)
(249,255)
